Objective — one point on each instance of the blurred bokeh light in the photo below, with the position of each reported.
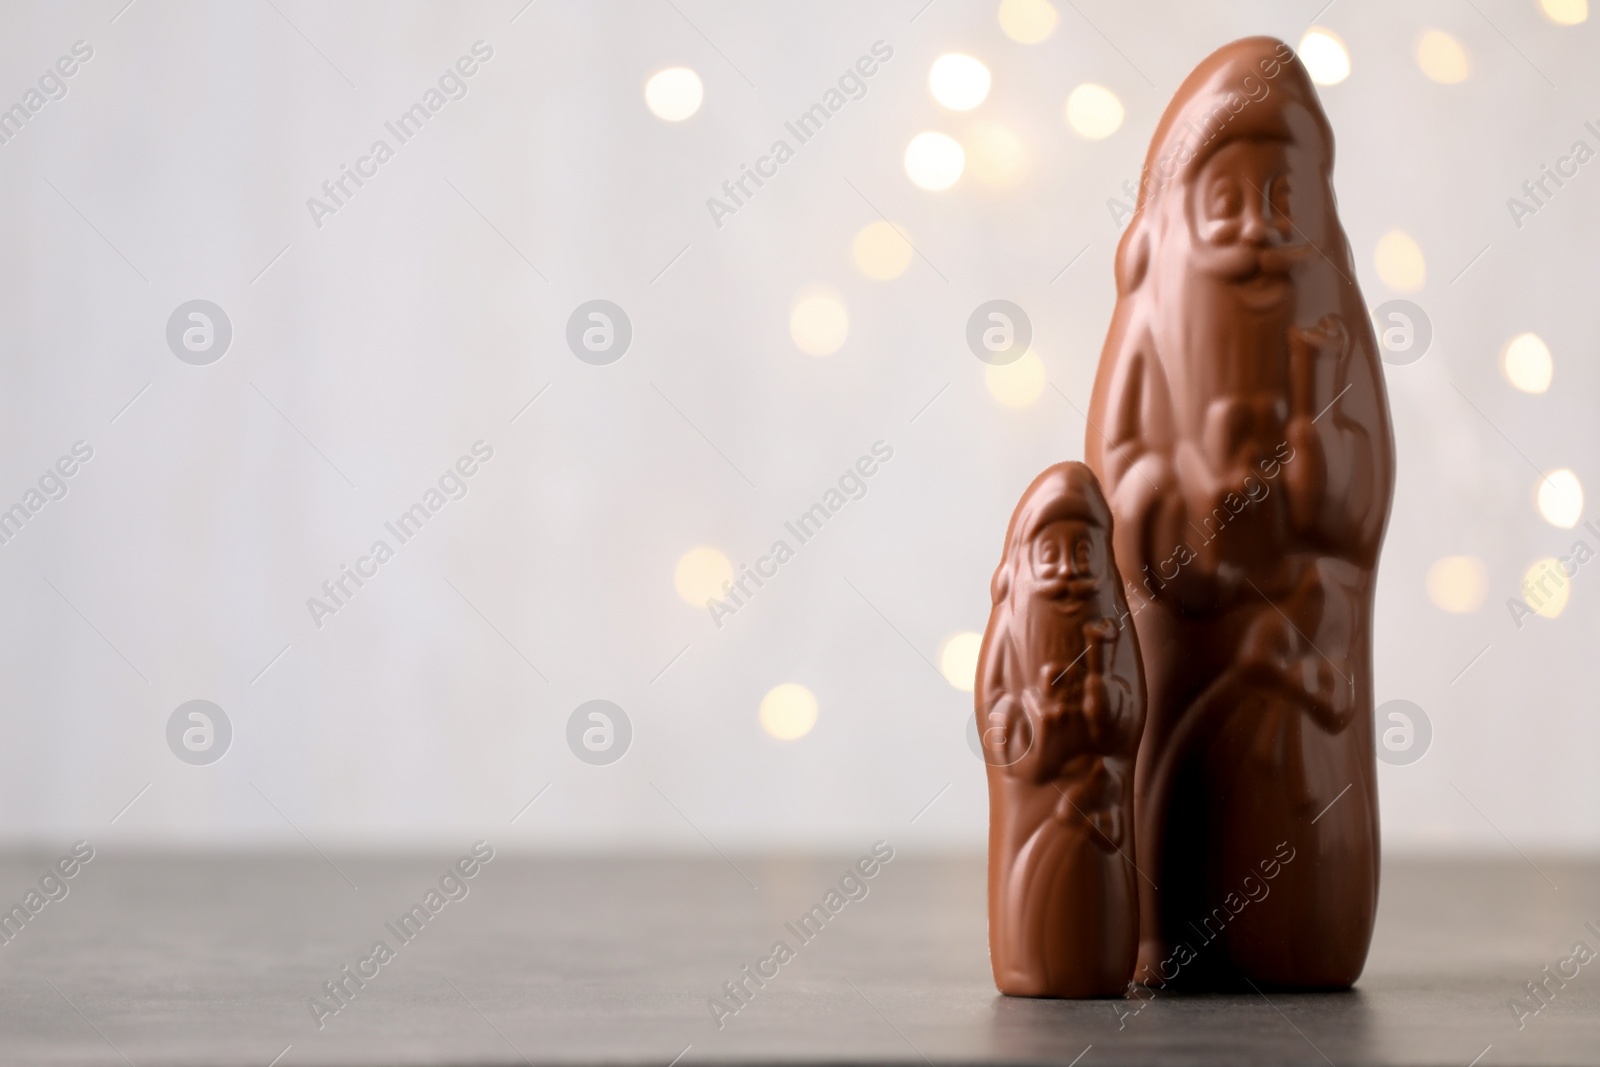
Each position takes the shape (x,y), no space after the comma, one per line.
(1325,56)
(1458,584)
(1527,363)
(673,94)
(959,82)
(788,711)
(1094,112)
(1442,58)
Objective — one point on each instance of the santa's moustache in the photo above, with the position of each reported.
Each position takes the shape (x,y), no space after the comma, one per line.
(1239,263)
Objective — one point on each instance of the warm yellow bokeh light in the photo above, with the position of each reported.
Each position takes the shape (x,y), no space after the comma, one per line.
(881,252)
(1325,56)
(701,573)
(1400,262)
(998,157)
(1442,58)
(819,324)
(1566,12)
(673,94)
(1546,588)
(1458,583)
(934,161)
(1560,498)
(1028,21)
(1527,363)
(788,711)
(1018,384)
(958,660)
(1093,111)
(958,82)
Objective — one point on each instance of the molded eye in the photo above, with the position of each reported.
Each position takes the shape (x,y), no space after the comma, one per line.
(1082,550)
(1224,199)
(1280,196)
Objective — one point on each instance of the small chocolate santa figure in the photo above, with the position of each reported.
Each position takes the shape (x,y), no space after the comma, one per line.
(1060,706)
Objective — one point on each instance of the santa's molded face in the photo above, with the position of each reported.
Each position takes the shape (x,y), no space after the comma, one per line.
(1064,560)
(1241,213)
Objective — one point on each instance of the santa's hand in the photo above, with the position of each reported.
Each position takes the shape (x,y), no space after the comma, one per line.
(1331,691)
(1231,437)
(1336,344)
(1100,644)
(1327,341)
(1268,642)
(1099,704)
(1242,436)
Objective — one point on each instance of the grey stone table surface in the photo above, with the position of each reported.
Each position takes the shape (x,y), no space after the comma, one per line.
(215,959)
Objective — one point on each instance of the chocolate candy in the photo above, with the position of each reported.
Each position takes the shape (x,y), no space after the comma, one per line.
(1060,705)
(1240,428)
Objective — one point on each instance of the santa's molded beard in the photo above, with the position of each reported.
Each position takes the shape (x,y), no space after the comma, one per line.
(1228,342)
(1051,631)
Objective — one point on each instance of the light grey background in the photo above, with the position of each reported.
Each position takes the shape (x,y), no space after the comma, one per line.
(432,308)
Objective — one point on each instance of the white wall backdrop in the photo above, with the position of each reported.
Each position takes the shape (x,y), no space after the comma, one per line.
(370,352)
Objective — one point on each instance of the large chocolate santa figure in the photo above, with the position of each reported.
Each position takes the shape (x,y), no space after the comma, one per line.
(1240,428)
(1060,703)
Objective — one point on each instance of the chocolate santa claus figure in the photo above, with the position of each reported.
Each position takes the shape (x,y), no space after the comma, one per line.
(1060,703)
(1240,427)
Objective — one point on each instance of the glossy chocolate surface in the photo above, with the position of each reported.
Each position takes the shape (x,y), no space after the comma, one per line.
(1060,703)
(1240,427)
